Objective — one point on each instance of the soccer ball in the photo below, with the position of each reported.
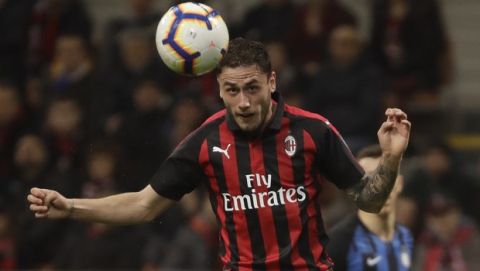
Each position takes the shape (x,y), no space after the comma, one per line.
(191,38)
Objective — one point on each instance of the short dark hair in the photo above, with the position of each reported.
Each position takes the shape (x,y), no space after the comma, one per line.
(243,52)
(371,151)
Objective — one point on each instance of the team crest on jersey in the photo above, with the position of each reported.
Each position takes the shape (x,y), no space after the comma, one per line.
(290,145)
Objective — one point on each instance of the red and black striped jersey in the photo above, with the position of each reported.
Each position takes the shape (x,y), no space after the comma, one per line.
(264,190)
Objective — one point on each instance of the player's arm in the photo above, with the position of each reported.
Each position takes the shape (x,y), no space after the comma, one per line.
(125,208)
(372,191)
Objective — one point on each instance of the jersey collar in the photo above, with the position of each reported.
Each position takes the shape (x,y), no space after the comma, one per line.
(276,122)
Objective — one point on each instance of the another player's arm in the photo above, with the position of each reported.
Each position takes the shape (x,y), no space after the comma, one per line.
(126,208)
(373,190)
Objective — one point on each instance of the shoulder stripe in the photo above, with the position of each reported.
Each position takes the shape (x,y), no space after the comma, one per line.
(303,113)
(202,127)
(215,116)
(295,111)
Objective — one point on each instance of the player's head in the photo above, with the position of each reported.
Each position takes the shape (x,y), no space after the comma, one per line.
(369,158)
(246,82)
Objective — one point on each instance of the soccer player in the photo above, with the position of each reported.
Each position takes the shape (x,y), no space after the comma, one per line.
(369,241)
(260,160)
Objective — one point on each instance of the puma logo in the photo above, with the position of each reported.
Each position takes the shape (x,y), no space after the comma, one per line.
(224,151)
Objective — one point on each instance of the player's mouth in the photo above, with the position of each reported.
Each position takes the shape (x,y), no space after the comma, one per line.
(245,116)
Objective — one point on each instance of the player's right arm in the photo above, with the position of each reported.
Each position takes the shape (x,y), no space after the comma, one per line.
(125,208)
(178,175)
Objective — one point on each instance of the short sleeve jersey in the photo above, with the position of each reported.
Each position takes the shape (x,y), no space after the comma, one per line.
(263,190)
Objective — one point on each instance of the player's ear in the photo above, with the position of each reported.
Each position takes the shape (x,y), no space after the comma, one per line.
(272,81)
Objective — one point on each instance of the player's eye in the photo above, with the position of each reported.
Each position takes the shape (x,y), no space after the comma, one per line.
(252,88)
(232,91)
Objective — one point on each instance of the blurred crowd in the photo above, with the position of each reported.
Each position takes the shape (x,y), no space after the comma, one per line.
(92,118)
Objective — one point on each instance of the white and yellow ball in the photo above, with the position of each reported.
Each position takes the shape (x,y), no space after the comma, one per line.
(191,38)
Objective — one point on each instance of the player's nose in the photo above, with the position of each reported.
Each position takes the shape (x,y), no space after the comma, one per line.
(244,102)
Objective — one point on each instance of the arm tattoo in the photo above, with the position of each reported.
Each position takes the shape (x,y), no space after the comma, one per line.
(373,190)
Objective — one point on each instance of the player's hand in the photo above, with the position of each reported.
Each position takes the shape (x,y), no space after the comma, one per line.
(46,203)
(394,133)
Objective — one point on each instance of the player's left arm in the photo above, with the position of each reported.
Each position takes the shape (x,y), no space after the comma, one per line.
(373,190)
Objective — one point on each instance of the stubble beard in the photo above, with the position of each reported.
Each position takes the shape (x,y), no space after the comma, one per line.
(255,131)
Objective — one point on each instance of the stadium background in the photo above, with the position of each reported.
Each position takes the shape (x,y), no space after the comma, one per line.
(87,108)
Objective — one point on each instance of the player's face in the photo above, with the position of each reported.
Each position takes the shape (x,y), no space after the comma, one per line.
(246,93)
(369,165)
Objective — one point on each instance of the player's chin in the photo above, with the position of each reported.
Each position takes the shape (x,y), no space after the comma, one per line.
(249,129)
(246,124)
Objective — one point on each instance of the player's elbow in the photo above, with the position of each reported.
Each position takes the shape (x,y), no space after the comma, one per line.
(151,205)
(146,212)
(149,217)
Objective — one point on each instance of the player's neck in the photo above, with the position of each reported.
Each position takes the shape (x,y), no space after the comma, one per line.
(381,225)
(271,113)
(269,117)
(253,135)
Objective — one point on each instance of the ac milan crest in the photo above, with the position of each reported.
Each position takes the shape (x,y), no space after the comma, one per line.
(290,145)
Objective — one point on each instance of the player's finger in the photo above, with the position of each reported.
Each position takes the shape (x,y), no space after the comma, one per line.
(34,200)
(389,115)
(40,193)
(395,114)
(386,126)
(387,112)
(38,208)
(49,198)
(399,114)
(40,215)
(407,123)
(393,110)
